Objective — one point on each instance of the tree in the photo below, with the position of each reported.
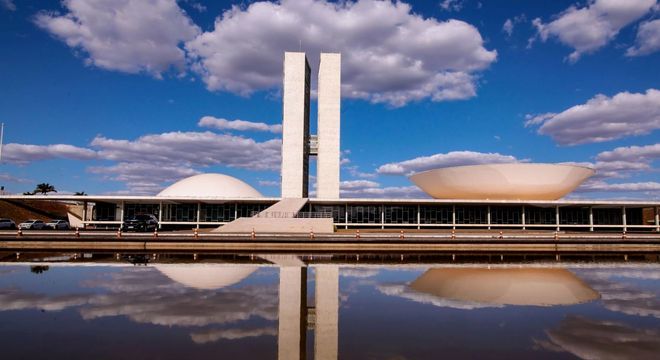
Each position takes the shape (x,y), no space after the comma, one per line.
(80,193)
(28,193)
(44,188)
(38,269)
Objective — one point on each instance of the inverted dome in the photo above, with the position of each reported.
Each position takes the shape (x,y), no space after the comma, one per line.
(205,276)
(538,287)
(519,181)
(211,185)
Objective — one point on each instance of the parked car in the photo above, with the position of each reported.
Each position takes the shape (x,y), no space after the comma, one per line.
(144,222)
(58,225)
(32,224)
(7,224)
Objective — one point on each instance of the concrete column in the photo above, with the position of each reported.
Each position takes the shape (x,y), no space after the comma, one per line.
(419,217)
(382,217)
(522,217)
(292,330)
(346,216)
(235,211)
(326,333)
(160,214)
(623,218)
(557,216)
(295,126)
(657,219)
(329,124)
(199,213)
(488,217)
(84,216)
(453,216)
(591,218)
(122,205)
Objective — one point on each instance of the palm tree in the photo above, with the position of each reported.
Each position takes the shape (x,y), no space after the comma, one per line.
(80,193)
(44,188)
(28,193)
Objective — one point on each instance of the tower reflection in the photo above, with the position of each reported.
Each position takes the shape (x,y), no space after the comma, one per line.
(293,312)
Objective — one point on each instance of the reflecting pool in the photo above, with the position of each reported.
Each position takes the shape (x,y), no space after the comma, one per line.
(276,306)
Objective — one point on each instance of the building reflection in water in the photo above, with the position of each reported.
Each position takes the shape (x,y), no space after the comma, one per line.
(293,309)
(506,286)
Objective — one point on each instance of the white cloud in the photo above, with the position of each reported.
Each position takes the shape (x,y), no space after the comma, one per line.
(404,291)
(637,186)
(603,339)
(14,179)
(128,35)
(269,183)
(25,153)
(212,335)
(453,158)
(589,28)
(239,125)
(193,148)
(452,5)
(648,39)
(390,55)
(143,178)
(631,153)
(602,118)
(8,5)
(510,24)
(372,189)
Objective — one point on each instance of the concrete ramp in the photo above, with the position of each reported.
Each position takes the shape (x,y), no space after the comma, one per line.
(281,217)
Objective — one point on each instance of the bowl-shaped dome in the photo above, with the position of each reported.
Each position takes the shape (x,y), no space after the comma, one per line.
(538,287)
(211,185)
(518,181)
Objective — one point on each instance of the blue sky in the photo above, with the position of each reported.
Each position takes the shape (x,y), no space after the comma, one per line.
(106,96)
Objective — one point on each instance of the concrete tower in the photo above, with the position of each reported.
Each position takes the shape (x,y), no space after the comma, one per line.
(295,124)
(329,95)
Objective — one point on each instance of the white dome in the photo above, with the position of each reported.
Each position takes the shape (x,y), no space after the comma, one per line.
(211,185)
(205,276)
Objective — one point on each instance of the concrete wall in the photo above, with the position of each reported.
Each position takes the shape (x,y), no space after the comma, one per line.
(329,96)
(295,122)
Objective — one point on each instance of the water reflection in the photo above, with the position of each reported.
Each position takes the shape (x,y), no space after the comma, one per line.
(501,286)
(276,304)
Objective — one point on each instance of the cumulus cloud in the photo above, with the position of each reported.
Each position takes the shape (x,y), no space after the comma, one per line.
(14,179)
(648,39)
(601,339)
(589,28)
(635,186)
(631,153)
(452,5)
(142,178)
(127,35)
(602,118)
(390,55)
(194,148)
(212,335)
(8,5)
(453,158)
(510,24)
(372,189)
(25,153)
(238,125)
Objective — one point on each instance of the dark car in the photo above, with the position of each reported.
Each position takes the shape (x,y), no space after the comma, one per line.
(7,224)
(145,222)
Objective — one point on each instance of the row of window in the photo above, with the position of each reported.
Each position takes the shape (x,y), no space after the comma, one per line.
(392,214)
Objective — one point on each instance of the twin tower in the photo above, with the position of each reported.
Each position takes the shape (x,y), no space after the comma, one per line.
(297,143)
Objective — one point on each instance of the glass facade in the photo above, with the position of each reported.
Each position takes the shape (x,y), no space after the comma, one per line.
(506,215)
(247,210)
(574,215)
(130,210)
(217,212)
(471,214)
(104,212)
(364,214)
(180,212)
(429,214)
(540,216)
(607,216)
(338,211)
(405,214)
